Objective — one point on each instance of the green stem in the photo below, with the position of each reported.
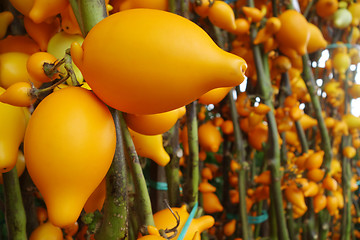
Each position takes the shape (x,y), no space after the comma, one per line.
(14,208)
(75,7)
(346,179)
(311,86)
(172,168)
(91,13)
(272,150)
(114,224)
(191,192)
(325,139)
(172,6)
(290,221)
(240,158)
(142,195)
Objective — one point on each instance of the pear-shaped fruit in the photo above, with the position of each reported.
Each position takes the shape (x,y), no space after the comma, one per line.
(12,130)
(69,146)
(146,61)
(150,146)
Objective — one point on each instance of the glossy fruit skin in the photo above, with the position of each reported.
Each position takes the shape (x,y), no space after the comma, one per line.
(23,6)
(12,130)
(13,68)
(316,40)
(18,43)
(293,21)
(47,231)
(20,166)
(97,198)
(214,96)
(154,124)
(150,70)
(41,32)
(150,146)
(18,94)
(69,146)
(209,137)
(35,65)
(222,15)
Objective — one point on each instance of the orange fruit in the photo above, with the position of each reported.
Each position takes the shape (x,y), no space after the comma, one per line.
(293,21)
(315,174)
(315,160)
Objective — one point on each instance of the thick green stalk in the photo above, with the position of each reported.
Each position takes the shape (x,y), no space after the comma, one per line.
(191,187)
(346,179)
(172,168)
(325,139)
(240,158)
(114,224)
(75,7)
(290,221)
(14,208)
(141,191)
(312,89)
(172,6)
(302,137)
(272,151)
(91,13)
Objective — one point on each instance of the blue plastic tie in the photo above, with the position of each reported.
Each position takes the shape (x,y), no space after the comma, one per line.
(188,222)
(348,45)
(251,219)
(258,219)
(158,185)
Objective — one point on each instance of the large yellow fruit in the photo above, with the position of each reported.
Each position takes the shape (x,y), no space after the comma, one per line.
(69,146)
(146,61)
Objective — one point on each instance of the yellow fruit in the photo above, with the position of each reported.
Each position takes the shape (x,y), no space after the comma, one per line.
(69,146)
(6,19)
(12,130)
(211,203)
(150,146)
(164,219)
(47,231)
(214,96)
(316,40)
(293,22)
(151,69)
(154,124)
(209,137)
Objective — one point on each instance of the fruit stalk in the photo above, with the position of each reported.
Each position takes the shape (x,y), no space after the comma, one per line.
(240,158)
(76,10)
(91,13)
(272,151)
(191,193)
(14,209)
(346,223)
(326,145)
(172,168)
(311,87)
(141,191)
(114,224)
(346,179)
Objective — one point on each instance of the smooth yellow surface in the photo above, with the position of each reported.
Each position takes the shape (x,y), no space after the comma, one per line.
(47,231)
(150,146)
(146,61)
(69,146)
(154,124)
(12,130)
(13,68)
